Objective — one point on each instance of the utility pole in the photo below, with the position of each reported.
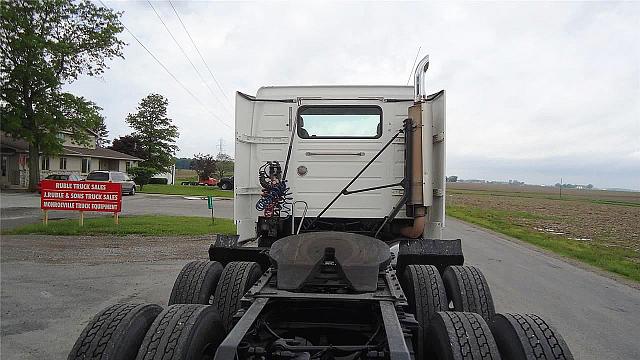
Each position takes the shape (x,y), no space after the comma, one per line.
(220,146)
(560,188)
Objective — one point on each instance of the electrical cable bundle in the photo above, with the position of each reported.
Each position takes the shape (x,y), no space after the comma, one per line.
(276,198)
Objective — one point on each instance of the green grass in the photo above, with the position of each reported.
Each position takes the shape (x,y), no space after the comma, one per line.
(617,260)
(186,190)
(138,225)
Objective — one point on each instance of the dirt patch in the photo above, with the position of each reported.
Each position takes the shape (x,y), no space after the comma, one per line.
(576,217)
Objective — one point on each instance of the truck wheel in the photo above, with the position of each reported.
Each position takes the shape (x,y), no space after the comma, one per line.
(115,332)
(183,331)
(461,335)
(236,279)
(527,336)
(225,186)
(426,296)
(468,290)
(196,283)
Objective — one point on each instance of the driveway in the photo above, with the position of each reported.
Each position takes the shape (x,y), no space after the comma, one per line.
(19,208)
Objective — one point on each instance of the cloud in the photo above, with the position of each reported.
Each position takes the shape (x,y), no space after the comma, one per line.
(542,89)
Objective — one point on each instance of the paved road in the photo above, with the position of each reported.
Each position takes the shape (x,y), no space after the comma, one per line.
(598,317)
(19,208)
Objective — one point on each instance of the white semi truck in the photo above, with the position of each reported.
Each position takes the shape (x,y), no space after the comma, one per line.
(339,206)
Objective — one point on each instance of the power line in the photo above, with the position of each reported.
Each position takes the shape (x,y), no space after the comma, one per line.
(184,53)
(169,72)
(199,54)
(414,64)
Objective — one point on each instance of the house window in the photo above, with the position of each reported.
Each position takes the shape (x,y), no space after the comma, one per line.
(86,165)
(4,165)
(127,165)
(45,163)
(63,163)
(60,136)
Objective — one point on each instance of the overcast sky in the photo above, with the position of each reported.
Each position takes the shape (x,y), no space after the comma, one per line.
(535,91)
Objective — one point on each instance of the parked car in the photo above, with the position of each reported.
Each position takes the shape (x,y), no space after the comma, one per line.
(66,177)
(203,182)
(128,185)
(226,183)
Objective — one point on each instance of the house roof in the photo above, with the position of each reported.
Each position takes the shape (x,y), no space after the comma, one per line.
(98,153)
(20,145)
(17,144)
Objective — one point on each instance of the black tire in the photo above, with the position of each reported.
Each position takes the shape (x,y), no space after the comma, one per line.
(527,336)
(133,191)
(461,335)
(183,331)
(196,283)
(236,279)
(115,332)
(225,185)
(426,296)
(467,288)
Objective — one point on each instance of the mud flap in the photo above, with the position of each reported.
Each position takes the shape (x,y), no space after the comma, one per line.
(226,250)
(440,253)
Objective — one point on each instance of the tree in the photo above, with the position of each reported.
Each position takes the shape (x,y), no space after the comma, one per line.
(155,132)
(142,175)
(101,133)
(452,178)
(45,44)
(129,145)
(204,165)
(183,163)
(224,164)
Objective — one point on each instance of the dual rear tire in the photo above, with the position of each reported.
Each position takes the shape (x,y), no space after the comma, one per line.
(196,283)
(442,334)
(207,282)
(183,331)
(188,329)
(527,336)
(472,329)
(115,332)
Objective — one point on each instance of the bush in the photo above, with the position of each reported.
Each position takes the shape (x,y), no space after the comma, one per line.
(161,181)
(142,175)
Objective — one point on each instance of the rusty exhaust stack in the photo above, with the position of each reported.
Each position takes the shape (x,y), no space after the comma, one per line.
(416,201)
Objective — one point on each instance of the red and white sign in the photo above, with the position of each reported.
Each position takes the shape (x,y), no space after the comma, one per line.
(81,196)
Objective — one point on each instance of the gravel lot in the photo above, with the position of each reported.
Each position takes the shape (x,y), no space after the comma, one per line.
(52,286)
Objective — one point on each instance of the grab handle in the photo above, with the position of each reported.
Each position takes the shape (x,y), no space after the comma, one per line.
(308,153)
(293,216)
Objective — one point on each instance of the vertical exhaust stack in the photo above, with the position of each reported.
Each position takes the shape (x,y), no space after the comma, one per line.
(416,202)
(419,91)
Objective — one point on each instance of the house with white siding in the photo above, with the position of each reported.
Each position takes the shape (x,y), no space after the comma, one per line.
(76,159)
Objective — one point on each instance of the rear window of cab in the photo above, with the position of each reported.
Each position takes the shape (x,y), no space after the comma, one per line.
(340,122)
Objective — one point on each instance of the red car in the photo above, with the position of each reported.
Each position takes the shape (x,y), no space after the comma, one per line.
(201,182)
(67,177)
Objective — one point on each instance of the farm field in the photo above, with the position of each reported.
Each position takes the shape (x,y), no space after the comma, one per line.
(598,227)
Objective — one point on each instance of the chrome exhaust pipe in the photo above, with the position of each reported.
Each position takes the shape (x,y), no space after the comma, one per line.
(419,91)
